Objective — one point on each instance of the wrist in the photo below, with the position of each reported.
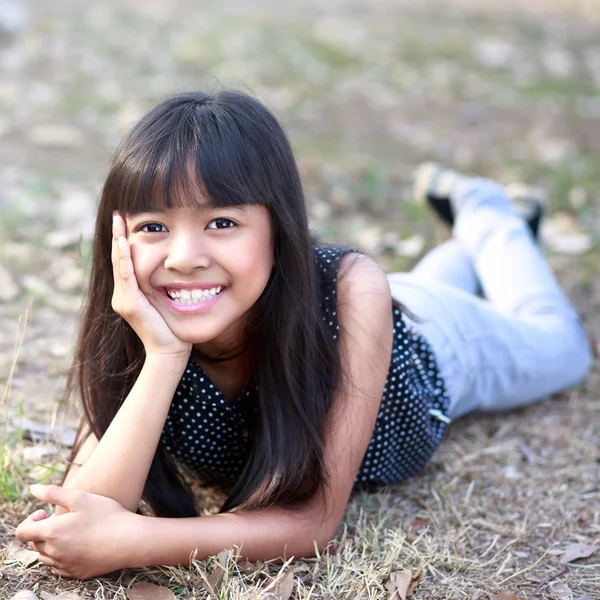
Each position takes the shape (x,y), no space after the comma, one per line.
(138,550)
(160,541)
(177,361)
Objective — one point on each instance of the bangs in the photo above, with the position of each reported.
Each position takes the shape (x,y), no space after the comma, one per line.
(188,158)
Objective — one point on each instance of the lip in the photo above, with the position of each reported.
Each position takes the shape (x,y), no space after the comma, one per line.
(193,308)
(192,286)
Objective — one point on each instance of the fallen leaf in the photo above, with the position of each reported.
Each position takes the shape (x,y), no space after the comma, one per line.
(398,585)
(24,595)
(560,590)
(528,453)
(19,552)
(575,551)
(419,523)
(246,567)
(216,576)
(285,586)
(149,591)
(413,584)
(504,596)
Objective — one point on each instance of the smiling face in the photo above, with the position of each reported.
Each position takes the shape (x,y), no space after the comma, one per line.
(180,252)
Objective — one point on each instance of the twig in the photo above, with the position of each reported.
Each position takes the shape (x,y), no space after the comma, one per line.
(546,580)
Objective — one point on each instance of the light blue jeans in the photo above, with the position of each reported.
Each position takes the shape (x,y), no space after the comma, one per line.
(520,343)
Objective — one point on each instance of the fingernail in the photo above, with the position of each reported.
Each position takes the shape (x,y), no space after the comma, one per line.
(36,488)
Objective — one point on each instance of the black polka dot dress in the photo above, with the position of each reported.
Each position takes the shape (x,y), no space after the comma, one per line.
(212,436)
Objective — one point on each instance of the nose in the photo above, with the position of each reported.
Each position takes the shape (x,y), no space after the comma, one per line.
(187,252)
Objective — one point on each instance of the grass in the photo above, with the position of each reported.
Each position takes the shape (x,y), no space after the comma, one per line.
(484,516)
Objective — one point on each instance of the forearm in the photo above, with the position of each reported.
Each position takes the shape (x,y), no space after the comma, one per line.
(118,467)
(260,535)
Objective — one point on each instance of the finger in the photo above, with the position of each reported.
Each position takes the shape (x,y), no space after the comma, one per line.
(37,547)
(49,562)
(31,531)
(55,494)
(126,266)
(38,515)
(60,572)
(114,255)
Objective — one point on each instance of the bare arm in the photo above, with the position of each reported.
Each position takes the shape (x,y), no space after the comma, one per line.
(366,329)
(79,546)
(118,465)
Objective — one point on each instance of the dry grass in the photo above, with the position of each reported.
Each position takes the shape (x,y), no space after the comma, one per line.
(492,512)
(505,494)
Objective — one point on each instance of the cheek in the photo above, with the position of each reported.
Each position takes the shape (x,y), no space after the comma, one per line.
(143,265)
(255,263)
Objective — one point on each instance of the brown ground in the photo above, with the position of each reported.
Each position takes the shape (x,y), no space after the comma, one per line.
(366,91)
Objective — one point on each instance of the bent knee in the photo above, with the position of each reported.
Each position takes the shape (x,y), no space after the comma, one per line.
(578,354)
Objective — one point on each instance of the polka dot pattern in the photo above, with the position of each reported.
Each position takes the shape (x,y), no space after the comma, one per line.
(213,437)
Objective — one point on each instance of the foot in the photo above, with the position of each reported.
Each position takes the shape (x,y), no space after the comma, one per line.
(433,185)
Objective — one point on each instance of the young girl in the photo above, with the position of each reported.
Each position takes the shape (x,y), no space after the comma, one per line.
(220,337)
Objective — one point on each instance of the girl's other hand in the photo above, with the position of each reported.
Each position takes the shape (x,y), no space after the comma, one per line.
(131,303)
(89,539)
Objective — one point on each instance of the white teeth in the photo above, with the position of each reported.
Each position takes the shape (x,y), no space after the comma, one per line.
(193,296)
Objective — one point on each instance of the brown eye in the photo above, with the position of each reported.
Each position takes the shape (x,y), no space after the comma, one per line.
(151,228)
(221,223)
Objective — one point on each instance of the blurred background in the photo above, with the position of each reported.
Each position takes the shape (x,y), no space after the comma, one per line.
(366,90)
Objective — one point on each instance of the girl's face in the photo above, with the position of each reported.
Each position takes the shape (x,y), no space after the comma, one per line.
(203,269)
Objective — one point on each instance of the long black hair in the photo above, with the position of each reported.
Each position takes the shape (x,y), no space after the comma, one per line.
(238,154)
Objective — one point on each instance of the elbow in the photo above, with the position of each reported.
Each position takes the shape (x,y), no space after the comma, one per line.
(309,547)
(323,541)
(322,533)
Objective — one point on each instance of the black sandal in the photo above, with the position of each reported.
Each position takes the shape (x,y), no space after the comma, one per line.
(433,185)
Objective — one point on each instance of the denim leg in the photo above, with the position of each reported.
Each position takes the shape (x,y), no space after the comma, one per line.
(490,360)
(525,340)
(522,342)
(514,275)
(448,263)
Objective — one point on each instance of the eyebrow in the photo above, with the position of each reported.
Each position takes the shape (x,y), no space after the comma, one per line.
(241,208)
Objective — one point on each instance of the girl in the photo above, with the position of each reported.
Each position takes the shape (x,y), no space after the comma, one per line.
(218,336)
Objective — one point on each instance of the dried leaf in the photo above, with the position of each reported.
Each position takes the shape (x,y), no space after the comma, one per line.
(527,453)
(246,567)
(215,578)
(149,591)
(398,585)
(24,595)
(413,584)
(19,552)
(560,590)
(575,551)
(504,596)
(419,523)
(285,586)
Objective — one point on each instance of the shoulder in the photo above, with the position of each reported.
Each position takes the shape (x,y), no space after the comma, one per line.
(362,284)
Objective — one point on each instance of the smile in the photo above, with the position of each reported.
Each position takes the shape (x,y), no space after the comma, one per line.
(193,296)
